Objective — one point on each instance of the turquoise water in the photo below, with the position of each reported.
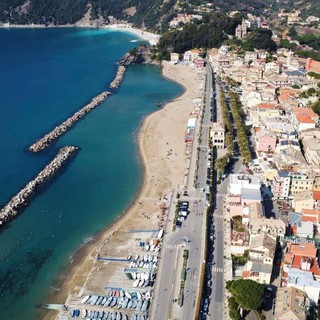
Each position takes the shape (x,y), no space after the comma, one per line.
(46,75)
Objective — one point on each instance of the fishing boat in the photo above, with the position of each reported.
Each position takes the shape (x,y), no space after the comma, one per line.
(119,316)
(85,299)
(147,247)
(114,316)
(141,283)
(148,295)
(127,294)
(145,306)
(129,306)
(160,234)
(135,284)
(113,302)
(139,305)
(124,317)
(146,283)
(138,295)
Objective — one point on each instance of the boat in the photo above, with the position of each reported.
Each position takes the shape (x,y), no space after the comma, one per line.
(108,302)
(149,258)
(85,299)
(119,316)
(103,301)
(147,247)
(124,317)
(160,233)
(121,293)
(138,295)
(155,259)
(148,295)
(139,305)
(134,304)
(129,306)
(136,257)
(145,258)
(141,282)
(106,315)
(114,316)
(134,275)
(145,306)
(135,284)
(129,257)
(127,294)
(146,283)
(134,317)
(152,248)
(84,313)
(113,302)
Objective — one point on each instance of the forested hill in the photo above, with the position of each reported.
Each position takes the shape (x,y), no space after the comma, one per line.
(153,14)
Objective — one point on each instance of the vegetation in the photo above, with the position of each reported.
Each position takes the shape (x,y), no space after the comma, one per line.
(183,276)
(209,32)
(242,132)
(247,293)
(240,260)
(233,309)
(259,39)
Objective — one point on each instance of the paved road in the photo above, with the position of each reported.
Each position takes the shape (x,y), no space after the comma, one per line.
(191,235)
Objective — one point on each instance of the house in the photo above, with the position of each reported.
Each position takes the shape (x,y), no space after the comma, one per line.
(265,141)
(305,281)
(279,80)
(273,67)
(252,210)
(313,65)
(187,56)
(301,257)
(199,63)
(274,227)
(195,53)
(300,182)
(281,185)
(290,304)
(303,118)
(260,258)
(174,57)
(311,148)
(241,30)
(217,135)
(250,56)
(302,200)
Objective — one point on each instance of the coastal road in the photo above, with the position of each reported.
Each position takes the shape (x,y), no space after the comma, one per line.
(191,235)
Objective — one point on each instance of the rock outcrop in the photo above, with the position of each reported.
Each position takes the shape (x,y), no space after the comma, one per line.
(138,55)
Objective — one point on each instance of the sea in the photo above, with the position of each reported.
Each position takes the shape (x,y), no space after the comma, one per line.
(45,76)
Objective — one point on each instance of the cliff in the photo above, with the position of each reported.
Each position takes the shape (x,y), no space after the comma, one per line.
(138,55)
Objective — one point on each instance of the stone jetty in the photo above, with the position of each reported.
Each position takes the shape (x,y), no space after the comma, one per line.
(119,77)
(45,141)
(11,209)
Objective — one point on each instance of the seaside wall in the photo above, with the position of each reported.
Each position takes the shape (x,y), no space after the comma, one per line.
(119,77)
(11,209)
(45,141)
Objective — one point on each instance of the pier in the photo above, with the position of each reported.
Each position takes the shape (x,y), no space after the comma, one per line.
(45,141)
(119,77)
(11,209)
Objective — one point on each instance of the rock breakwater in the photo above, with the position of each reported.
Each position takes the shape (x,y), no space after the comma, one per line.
(119,77)
(45,141)
(11,209)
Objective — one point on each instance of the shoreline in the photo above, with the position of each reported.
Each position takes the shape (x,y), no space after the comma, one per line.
(152,38)
(83,260)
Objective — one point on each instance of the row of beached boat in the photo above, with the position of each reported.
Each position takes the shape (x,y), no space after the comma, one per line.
(142,264)
(121,303)
(145,258)
(104,315)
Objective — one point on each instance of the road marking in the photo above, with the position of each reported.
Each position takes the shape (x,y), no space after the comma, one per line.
(215,269)
(171,246)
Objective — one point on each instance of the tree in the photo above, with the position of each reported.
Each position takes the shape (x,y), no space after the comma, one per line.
(247,293)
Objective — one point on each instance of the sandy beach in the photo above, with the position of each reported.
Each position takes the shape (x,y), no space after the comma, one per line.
(163,155)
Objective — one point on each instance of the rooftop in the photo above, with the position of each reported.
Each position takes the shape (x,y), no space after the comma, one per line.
(302,278)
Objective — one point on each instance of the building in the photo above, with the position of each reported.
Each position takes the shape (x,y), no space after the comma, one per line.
(300,182)
(174,57)
(273,227)
(241,30)
(290,304)
(281,185)
(190,130)
(217,135)
(303,118)
(313,65)
(265,141)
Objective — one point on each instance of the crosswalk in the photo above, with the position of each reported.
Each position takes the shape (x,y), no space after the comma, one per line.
(215,269)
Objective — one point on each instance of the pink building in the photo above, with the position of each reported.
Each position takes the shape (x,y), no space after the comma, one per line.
(266,141)
(281,185)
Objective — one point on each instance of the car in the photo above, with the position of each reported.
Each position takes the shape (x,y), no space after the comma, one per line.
(205,306)
(202,190)
(268,292)
(182,218)
(185,193)
(178,224)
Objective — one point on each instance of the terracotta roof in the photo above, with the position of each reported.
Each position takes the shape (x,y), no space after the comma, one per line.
(266,106)
(316,195)
(305,250)
(303,118)
(246,274)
